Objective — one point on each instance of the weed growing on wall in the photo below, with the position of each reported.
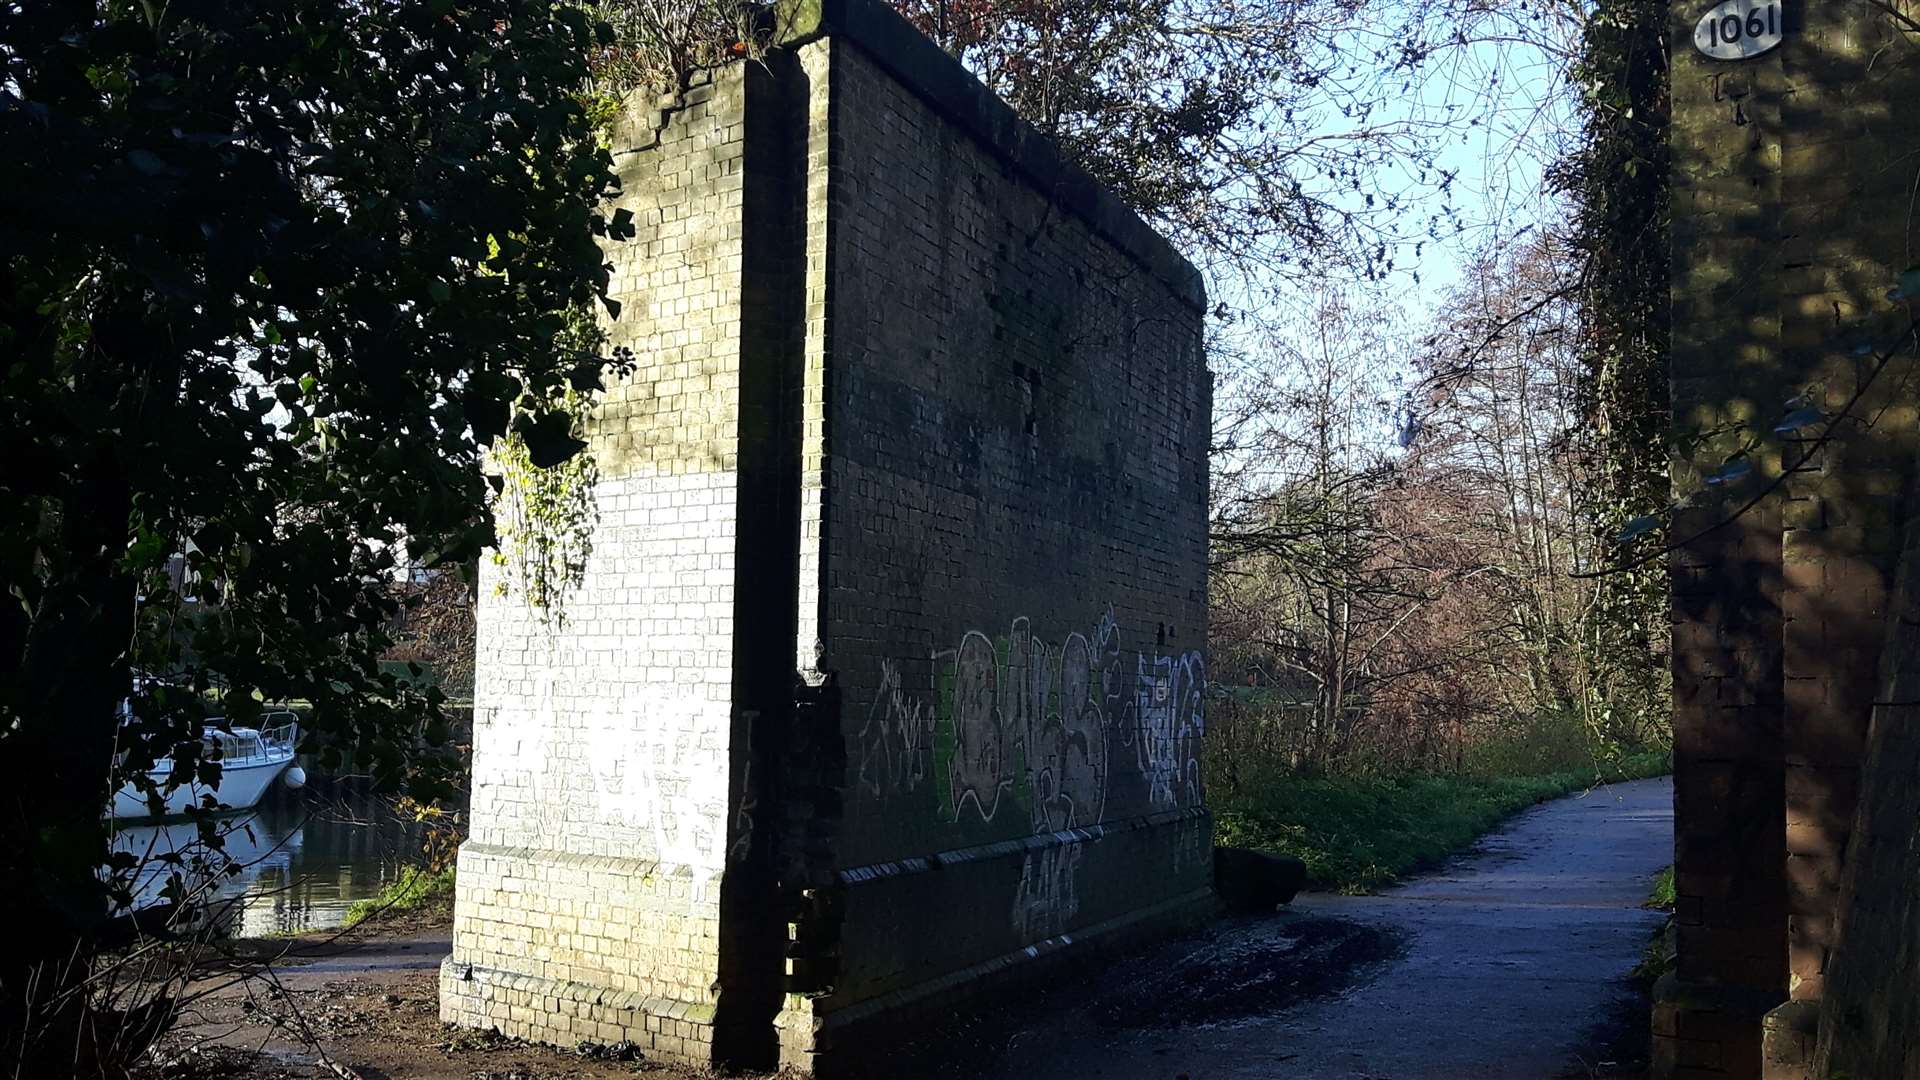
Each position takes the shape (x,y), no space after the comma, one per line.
(544,517)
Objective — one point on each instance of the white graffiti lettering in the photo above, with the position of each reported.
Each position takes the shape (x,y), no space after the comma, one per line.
(1048,896)
(1170,710)
(639,771)
(1037,720)
(982,768)
(896,742)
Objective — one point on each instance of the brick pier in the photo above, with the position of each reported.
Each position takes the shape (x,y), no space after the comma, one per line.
(885,687)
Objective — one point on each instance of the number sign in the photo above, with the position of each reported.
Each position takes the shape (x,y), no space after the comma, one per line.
(1738,29)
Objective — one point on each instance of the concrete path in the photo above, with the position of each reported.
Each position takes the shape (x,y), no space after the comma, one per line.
(1501,965)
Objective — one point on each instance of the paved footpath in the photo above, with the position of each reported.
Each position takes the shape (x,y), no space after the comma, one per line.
(1500,965)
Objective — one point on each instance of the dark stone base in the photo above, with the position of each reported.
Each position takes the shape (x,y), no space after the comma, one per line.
(1787,1038)
(1708,1032)
(878,1038)
(1252,881)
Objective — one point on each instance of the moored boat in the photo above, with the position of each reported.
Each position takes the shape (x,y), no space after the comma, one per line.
(251,759)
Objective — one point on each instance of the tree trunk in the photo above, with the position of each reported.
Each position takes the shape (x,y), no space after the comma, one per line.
(55,767)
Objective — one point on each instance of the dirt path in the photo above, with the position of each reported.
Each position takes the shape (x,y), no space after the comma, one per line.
(1509,963)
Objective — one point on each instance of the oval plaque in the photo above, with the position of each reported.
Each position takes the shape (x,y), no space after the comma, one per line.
(1738,29)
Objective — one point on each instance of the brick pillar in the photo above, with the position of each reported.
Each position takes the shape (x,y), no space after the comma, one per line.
(1846,221)
(1729,805)
(1793,214)
(618,881)
(1847,232)
(1729,797)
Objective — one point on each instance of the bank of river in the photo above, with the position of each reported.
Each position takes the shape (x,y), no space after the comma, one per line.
(303,858)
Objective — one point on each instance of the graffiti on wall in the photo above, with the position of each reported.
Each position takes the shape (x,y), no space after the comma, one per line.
(895,743)
(1029,719)
(743,817)
(1048,896)
(1048,723)
(1170,705)
(1028,726)
(629,775)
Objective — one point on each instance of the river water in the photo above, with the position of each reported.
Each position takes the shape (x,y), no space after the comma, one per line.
(303,858)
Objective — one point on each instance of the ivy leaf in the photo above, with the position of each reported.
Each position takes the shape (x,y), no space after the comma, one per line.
(1735,470)
(585,377)
(486,401)
(621,227)
(1638,527)
(548,437)
(241,706)
(1797,420)
(148,549)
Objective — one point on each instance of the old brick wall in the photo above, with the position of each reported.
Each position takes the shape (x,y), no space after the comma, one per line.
(1870,1016)
(1012,598)
(1729,828)
(885,684)
(1792,217)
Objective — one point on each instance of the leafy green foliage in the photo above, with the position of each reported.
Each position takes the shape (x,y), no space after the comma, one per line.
(1663,894)
(544,514)
(274,275)
(1657,957)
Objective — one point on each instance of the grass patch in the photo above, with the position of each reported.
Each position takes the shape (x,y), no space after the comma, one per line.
(414,890)
(1656,957)
(1357,833)
(1661,895)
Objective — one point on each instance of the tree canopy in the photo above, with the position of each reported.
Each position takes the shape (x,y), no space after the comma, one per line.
(272,277)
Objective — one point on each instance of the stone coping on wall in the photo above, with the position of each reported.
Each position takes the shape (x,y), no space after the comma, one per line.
(944,83)
(1018,845)
(620,866)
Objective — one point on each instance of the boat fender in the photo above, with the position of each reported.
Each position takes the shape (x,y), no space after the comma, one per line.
(295,777)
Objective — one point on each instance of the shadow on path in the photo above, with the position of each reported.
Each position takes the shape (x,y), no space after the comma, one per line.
(1509,962)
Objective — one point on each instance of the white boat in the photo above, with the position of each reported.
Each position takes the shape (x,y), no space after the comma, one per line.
(251,759)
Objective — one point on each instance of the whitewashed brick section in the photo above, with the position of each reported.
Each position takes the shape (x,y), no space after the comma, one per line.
(588,892)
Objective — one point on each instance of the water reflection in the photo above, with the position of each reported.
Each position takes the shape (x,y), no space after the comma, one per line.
(304,858)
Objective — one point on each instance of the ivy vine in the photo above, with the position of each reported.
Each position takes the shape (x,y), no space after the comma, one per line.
(542,466)
(1617,180)
(544,514)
